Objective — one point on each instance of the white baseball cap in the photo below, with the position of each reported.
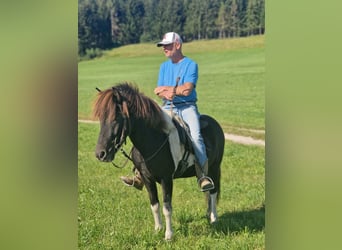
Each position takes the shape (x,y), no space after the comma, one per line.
(169,38)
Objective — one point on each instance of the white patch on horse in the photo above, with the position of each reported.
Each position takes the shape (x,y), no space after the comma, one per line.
(167,211)
(212,213)
(156,215)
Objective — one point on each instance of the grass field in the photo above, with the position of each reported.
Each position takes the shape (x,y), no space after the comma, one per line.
(113,216)
(231,85)
(231,88)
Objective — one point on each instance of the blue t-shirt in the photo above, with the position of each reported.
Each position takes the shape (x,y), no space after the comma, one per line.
(186,70)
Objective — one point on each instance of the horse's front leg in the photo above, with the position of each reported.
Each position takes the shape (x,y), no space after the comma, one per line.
(156,216)
(153,195)
(167,186)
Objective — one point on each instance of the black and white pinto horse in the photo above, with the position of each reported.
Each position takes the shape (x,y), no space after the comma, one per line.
(125,112)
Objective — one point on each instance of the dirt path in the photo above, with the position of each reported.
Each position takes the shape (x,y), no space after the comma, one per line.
(244,139)
(231,137)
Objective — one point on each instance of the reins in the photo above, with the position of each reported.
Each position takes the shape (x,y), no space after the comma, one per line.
(122,141)
(157,151)
(174,90)
(128,156)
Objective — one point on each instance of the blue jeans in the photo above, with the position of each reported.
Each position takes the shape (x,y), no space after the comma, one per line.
(190,115)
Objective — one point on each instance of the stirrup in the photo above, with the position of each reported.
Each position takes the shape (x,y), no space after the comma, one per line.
(135,182)
(129,185)
(206,189)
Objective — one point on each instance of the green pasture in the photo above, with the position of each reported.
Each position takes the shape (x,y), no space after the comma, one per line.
(231,85)
(231,88)
(113,216)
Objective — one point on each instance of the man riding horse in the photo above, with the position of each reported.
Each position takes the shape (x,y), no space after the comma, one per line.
(177,88)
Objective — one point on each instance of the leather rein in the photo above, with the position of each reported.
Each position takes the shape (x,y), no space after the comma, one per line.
(119,145)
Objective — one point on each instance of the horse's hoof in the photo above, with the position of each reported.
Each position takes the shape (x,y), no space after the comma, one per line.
(213,221)
(212,218)
(168,235)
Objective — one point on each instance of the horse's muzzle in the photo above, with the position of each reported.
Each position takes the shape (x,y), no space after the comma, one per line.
(105,155)
(101,155)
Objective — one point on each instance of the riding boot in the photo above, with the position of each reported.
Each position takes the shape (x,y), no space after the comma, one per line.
(136,181)
(205,182)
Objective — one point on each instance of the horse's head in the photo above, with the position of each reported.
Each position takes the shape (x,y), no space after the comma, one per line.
(111,109)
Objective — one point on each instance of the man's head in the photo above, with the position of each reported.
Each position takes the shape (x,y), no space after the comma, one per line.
(169,38)
(172,46)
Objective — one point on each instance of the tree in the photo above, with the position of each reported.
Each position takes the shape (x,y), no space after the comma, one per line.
(194,19)
(150,26)
(93,26)
(86,16)
(222,20)
(261,16)
(170,16)
(106,24)
(133,27)
(233,19)
(251,17)
(210,15)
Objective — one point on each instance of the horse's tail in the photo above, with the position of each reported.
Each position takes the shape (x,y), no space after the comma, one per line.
(218,184)
(214,135)
(219,161)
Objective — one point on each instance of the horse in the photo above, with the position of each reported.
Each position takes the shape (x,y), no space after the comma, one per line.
(124,112)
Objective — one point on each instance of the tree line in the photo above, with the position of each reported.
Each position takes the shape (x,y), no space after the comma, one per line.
(105,24)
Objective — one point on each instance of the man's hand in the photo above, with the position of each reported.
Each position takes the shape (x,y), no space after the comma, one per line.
(169,92)
(159,90)
(166,92)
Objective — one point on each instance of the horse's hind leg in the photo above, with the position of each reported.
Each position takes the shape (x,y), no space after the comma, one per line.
(211,212)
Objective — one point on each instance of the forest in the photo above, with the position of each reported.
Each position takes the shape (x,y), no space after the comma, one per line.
(106,24)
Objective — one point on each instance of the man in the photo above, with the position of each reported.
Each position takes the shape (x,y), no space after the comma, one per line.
(177,87)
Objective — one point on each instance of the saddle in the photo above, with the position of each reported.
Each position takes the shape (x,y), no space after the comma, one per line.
(185,139)
(183,133)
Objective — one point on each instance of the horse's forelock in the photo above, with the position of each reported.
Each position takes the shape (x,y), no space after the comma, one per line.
(104,107)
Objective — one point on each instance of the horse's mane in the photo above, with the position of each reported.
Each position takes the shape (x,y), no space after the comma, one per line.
(139,105)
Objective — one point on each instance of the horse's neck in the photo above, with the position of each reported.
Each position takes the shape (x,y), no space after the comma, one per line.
(145,139)
(138,134)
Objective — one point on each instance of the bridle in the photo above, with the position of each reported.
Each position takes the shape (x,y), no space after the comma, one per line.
(126,126)
(118,145)
(126,131)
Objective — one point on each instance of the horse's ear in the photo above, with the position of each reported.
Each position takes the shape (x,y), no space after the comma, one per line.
(99,90)
(125,109)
